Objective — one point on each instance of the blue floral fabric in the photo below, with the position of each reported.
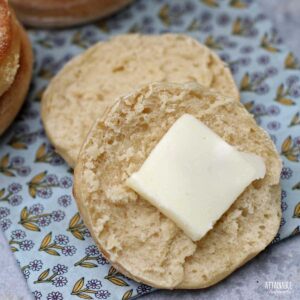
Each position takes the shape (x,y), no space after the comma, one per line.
(37,211)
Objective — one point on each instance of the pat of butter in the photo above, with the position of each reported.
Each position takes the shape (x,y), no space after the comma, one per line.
(193,176)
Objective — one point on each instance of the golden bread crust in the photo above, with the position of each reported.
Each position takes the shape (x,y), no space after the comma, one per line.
(12,100)
(57,13)
(10,43)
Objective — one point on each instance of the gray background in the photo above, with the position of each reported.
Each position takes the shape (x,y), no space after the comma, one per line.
(280,262)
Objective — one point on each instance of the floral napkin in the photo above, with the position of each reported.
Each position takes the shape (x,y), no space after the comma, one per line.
(37,211)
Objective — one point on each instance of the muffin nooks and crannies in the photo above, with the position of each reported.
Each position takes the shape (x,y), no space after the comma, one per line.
(89,83)
(139,240)
(15,66)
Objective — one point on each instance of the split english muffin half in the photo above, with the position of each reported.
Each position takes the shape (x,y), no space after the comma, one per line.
(87,86)
(139,240)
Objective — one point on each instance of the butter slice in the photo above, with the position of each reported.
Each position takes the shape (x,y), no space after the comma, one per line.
(193,176)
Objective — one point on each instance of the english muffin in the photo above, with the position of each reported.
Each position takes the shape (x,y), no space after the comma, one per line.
(139,240)
(57,13)
(20,76)
(89,83)
(10,43)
